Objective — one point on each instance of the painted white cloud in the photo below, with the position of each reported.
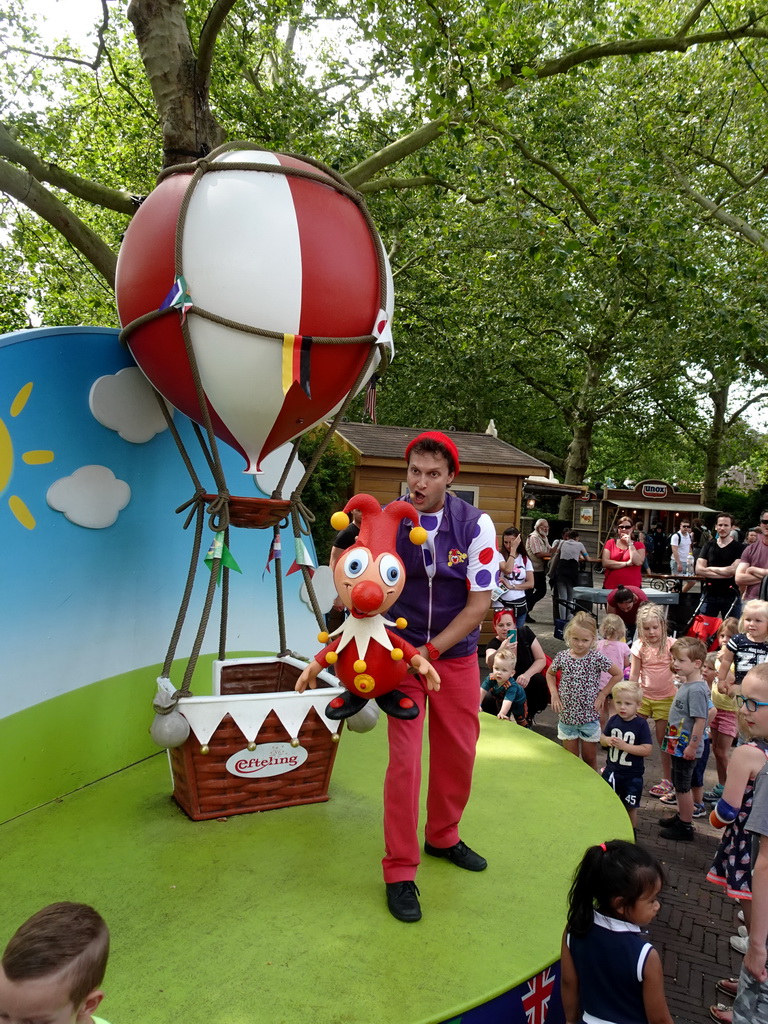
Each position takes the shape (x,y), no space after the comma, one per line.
(124,402)
(325,591)
(272,467)
(92,497)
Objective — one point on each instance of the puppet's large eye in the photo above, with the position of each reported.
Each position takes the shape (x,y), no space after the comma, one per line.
(390,570)
(356,563)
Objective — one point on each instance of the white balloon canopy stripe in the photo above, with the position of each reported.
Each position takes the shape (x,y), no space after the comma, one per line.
(258,284)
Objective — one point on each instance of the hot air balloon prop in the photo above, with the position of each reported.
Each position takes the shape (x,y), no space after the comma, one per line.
(255,295)
(369,659)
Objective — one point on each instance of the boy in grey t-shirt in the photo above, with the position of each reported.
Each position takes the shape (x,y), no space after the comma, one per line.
(684,738)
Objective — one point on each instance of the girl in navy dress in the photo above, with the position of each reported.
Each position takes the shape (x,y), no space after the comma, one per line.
(610,971)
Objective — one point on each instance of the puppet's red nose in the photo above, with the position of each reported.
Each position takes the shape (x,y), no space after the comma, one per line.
(367,596)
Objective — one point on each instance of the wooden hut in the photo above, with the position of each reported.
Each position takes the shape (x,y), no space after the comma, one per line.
(492,477)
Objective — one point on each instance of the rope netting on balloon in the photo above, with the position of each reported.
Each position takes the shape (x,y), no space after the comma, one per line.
(225,510)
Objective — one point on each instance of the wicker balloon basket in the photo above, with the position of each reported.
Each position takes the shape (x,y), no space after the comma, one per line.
(256,744)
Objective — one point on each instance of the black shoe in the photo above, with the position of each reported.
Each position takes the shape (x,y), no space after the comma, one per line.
(460,855)
(669,820)
(679,830)
(345,706)
(397,705)
(403,901)
(530,618)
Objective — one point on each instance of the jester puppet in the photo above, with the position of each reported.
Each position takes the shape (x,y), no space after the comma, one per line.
(370,660)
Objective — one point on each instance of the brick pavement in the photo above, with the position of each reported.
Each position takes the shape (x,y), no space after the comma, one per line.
(696,919)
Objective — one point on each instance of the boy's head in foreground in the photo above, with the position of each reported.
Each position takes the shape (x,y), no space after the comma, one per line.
(53,966)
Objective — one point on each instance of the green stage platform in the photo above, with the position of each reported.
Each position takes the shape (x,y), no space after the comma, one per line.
(280,916)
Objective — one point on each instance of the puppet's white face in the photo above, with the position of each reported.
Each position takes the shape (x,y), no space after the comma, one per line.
(368,585)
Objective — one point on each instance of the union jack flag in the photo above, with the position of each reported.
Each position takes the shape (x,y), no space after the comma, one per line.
(536,999)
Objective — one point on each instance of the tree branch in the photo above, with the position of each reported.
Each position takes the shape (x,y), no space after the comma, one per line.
(418,181)
(23,187)
(90,191)
(551,169)
(742,408)
(741,182)
(628,48)
(207,42)
(730,220)
(430,131)
(397,150)
(692,18)
(59,59)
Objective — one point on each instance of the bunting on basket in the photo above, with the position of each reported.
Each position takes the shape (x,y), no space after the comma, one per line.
(249,711)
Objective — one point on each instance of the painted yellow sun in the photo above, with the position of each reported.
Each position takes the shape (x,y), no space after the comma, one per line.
(16,504)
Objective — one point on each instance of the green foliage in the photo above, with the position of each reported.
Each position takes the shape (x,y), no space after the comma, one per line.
(328,489)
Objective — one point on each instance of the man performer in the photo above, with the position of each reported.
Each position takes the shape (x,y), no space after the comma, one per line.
(446,596)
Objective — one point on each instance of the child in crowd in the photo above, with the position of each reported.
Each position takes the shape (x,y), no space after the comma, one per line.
(609,969)
(751,1004)
(613,644)
(729,628)
(628,739)
(684,739)
(724,728)
(749,647)
(709,675)
(581,694)
(500,694)
(651,666)
(53,967)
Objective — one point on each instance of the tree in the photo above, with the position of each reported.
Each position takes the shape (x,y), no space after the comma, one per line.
(542,167)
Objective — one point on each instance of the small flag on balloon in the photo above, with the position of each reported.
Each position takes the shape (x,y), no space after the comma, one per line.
(303,558)
(370,398)
(382,331)
(296,357)
(275,551)
(178,298)
(219,549)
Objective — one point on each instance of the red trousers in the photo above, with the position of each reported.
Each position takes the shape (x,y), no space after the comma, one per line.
(454,727)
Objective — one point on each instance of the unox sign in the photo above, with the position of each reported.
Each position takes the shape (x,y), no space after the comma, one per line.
(657,491)
(267,759)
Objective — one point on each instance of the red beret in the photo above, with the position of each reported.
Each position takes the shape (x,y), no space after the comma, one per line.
(446,442)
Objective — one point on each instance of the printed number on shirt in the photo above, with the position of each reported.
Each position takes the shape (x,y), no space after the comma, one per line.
(614,754)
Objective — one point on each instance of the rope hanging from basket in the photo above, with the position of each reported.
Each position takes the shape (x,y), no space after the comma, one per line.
(219,519)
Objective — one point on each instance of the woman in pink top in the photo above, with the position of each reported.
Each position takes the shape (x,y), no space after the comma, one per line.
(651,666)
(622,558)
